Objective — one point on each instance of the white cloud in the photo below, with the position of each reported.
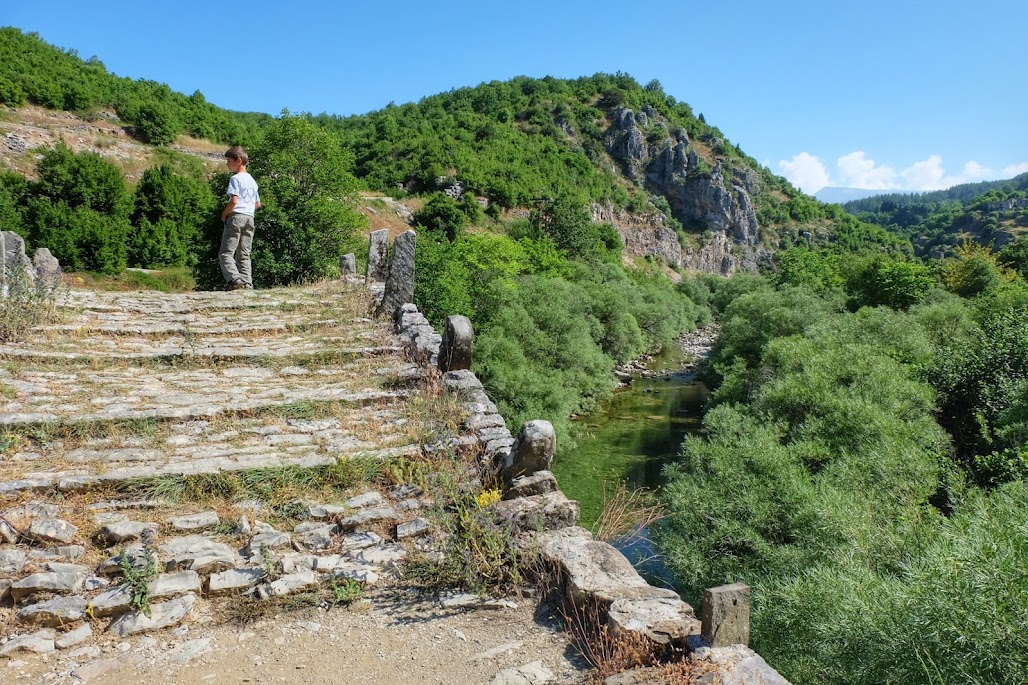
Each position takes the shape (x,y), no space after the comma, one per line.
(860,172)
(857,170)
(806,172)
(930,175)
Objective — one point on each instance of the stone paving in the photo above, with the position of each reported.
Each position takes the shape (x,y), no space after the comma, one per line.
(131,387)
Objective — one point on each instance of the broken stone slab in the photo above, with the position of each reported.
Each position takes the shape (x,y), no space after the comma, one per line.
(195,522)
(288,584)
(324,511)
(52,530)
(592,570)
(368,517)
(40,642)
(12,560)
(54,612)
(539,483)
(356,541)
(532,451)
(118,600)
(317,538)
(163,615)
(60,567)
(371,498)
(418,526)
(269,540)
(22,515)
(187,651)
(234,580)
(54,583)
(74,637)
(198,553)
(136,555)
(381,555)
(738,665)
(65,553)
(726,615)
(549,511)
(124,531)
(662,620)
(362,574)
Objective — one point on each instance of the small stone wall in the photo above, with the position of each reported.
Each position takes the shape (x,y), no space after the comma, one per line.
(590,572)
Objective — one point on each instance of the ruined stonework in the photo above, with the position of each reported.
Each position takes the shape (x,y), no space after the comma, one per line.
(378,256)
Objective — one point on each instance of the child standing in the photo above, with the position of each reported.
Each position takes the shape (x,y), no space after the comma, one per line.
(237,236)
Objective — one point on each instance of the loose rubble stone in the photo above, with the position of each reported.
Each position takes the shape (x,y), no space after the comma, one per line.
(198,553)
(269,540)
(5,588)
(74,637)
(317,538)
(418,526)
(368,499)
(52,530)
(54,612)
(234,580)
(124,531)
(539,483)
(368,517)
(362,574)
(195,522)
(56,583)
(381,555)
(66,553)
(738,665)
(187,651)
(163,615)
(288,584)
(549,511)
(12,560)
(356,541)
(41,642)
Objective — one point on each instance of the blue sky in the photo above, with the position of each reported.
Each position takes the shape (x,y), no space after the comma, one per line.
(882,95)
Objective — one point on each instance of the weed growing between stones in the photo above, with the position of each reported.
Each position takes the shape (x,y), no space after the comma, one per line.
(29,301)
(136,578)
(346,591)
(477,552)
(278,487)
(610,652)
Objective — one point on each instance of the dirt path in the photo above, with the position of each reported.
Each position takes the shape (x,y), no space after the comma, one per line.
(395,638)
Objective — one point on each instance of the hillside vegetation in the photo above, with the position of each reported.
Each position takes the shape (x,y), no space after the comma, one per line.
(863,462)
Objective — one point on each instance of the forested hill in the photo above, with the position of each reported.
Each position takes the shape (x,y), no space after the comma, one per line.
(673,185)
(992,213)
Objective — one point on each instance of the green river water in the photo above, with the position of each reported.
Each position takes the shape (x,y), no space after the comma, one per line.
(630,437)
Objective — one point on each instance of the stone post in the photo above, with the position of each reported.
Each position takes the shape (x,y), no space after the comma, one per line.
(399,286)
(726,615)
(458,342)
(378,256)
(3,266)
(48,269)
(15,257)
(348,265)
(532,451)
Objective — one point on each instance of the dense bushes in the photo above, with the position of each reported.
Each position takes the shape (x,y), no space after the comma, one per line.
(824,478)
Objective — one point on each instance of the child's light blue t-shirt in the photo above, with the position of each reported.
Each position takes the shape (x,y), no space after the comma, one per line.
(244,188)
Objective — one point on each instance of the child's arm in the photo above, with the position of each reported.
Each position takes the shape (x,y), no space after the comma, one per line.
(229,207)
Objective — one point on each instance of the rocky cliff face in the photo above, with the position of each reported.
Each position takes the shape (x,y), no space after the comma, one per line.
(706,198)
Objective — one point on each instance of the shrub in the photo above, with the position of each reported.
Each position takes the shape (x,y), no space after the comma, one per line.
(155,124)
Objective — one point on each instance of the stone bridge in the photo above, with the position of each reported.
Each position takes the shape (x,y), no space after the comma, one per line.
(268,405)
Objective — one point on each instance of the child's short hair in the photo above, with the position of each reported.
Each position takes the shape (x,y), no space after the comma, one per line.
(237,153)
